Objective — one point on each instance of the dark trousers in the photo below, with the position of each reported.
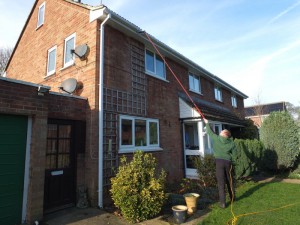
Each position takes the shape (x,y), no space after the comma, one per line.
(223,176)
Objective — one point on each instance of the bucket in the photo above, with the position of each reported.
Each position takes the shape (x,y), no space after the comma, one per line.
(179,213)
(191,202)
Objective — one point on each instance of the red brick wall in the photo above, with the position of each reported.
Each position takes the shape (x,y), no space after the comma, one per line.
(23,99)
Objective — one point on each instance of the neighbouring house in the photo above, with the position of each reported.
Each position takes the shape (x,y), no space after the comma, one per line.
(132,102)
(257,113)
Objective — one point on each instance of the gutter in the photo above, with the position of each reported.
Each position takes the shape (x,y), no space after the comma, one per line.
(100,131)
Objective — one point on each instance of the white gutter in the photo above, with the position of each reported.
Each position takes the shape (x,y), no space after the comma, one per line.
(101,80)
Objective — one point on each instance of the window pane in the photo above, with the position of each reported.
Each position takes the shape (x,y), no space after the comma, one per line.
(52,131)
(153,126)
(63,161)
(196,84)
(64,131)
(160,68)
(150,61)
(191,82)
(64,146)
(69,46)
(51,162)
(140,133)
(126,132)
(51,60)
(41,15)
(51,146)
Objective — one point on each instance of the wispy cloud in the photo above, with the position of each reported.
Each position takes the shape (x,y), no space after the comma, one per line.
(281,14)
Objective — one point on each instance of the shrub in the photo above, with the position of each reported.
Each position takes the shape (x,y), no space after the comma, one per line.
(280,134)
(248,158)
(250,131)
(136,191)
(206,169)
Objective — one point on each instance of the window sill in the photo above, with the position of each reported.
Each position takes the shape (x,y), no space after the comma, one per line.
(49,75)
(67,66)
(37,28)
(196,92)
(148,149)
(217,100)
(157,77)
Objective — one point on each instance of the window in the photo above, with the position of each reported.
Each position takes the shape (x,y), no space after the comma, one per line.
(233,101)
(41,15)
(194,83)
(155,65)
(218,93)
(51,64)
(69,46)
(138,133)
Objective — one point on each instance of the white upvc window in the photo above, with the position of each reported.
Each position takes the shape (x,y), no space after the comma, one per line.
(137,133)
(41,15)
(154,65)
(218,93)
(194,83)
(69,57)
(51,63)
(233,101)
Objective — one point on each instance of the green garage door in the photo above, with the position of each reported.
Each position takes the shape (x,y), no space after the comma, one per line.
(13,131)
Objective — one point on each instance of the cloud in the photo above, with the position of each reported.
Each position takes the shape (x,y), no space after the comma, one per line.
(281,14)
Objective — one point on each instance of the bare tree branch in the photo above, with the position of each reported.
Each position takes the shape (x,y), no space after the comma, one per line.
(5,54)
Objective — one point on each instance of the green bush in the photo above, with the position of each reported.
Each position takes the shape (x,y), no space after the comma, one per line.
(206,170)
(248,158)
(136,191)
(280,135)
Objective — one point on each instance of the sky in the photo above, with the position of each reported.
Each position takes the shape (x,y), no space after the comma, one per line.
(254,45)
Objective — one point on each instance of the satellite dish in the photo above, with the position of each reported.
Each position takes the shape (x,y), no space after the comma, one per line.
(70,85)
(81,51)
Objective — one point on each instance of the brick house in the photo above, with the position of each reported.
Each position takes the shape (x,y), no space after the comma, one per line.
(257,113)
(134,102)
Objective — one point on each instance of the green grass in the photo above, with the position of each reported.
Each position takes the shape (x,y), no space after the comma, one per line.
(254,197)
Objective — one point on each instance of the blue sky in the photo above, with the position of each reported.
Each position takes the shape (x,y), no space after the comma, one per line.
(252,44)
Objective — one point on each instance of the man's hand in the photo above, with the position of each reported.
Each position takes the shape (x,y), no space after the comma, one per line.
(205,120)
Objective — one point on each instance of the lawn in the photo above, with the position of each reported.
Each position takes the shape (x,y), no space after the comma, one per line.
(275,198)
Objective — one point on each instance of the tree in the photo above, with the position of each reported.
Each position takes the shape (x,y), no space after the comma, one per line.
(294,111)
(5,54)
(280,133)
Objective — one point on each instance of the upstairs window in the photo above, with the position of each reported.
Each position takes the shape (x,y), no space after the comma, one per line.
(155,65)
(51,64)
(194,83)
(41,15)
(233,101)
(218,93)
(138,134)
(69,57)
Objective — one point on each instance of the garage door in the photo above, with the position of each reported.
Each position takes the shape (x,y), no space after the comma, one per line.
(13,131)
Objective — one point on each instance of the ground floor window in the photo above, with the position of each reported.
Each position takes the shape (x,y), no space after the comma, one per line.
(138,133)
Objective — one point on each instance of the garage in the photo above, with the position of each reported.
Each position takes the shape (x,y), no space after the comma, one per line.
(13,135)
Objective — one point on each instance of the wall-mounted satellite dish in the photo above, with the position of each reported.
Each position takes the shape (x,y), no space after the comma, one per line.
(81,51)
(70,85)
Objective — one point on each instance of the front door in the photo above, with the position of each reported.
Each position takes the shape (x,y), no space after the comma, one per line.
(60,166)
(193,146)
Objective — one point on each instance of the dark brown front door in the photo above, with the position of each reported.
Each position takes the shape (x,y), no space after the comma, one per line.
(60,166)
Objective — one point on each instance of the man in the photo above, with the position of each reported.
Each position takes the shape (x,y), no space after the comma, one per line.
(224,149)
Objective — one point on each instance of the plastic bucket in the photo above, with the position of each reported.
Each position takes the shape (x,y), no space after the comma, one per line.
(191,202)
(179,213)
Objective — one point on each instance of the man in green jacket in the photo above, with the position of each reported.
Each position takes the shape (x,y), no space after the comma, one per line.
(224,149)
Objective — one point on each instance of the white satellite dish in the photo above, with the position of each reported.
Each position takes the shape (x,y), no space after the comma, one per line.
(81,51)
(70,85)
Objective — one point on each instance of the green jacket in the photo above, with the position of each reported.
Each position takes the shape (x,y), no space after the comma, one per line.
(224,148)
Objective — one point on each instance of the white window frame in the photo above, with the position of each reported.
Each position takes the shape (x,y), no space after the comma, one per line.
(51,72)
(218,93)
(72,61)
(233,101)
(132,147)
(41,14)
(194,77)
(154,73)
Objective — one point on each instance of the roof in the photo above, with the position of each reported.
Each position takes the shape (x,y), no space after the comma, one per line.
(214,112)
(265,109)
(135,32)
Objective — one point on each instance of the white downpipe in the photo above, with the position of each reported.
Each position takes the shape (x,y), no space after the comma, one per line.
(26,172)
(100,131)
